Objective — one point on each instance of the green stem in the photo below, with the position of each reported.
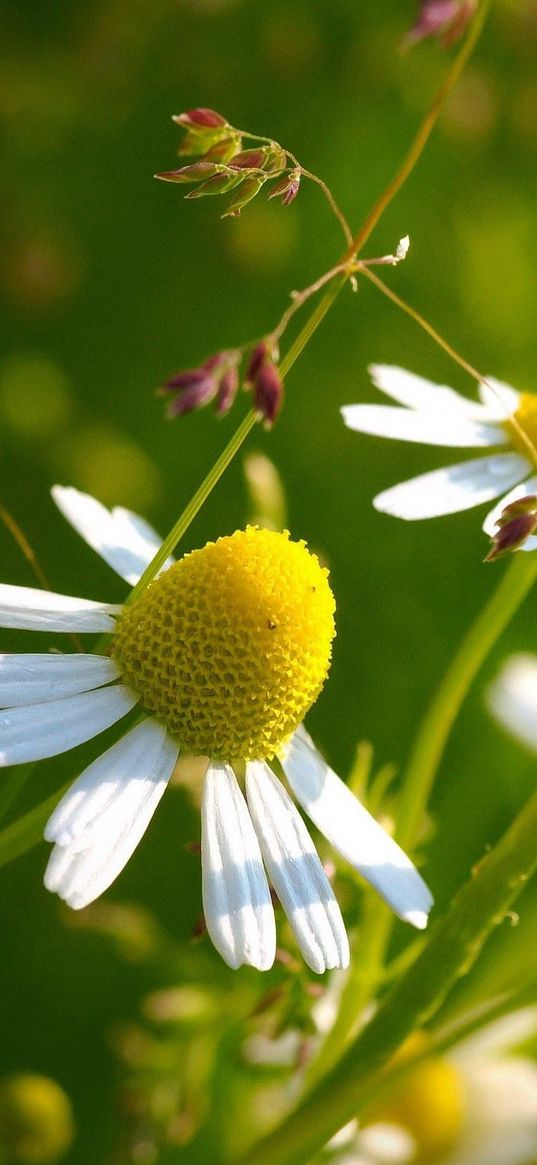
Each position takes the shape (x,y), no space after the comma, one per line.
(438,721)
(454,945)
(416,786)
(12,785)
(23,834)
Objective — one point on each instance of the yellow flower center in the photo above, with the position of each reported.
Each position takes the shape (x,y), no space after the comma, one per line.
(429,1102)
(526,416)
(231,645)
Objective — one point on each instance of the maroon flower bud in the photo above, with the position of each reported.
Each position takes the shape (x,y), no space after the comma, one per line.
(227,390)
(187,379)
(516,523)
(249,160)
(268,393)
(258,355)
(193,396)
(287,189)
(200,119)
(446,19)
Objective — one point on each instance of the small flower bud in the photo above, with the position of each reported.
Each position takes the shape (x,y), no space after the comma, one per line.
(248,190)
(227,390)
(218,184)
(249,160)
(258,355)
(517,522)
(193,396)
(445,19)
(198,120)
(287,189)
(223,150)
(268,393)
(197,172)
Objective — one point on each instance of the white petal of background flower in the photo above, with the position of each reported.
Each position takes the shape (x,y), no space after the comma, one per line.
(524,490)
(452,489)
(354,833)
(296,872)
(30,679)
(125,541)
(236,897)
(512,698)
(106,813)
(423,427)
(417,393)
(500,400)
(36,731)
(30,609)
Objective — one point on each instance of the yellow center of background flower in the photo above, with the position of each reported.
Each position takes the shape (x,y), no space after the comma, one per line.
(231,646)
(526,415)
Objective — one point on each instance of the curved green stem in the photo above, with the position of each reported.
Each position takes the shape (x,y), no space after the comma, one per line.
(417,781)
(454,945)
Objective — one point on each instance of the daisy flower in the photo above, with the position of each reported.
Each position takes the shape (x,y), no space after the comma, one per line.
(512,698)
(477,1105)
(223,654)
(436,415)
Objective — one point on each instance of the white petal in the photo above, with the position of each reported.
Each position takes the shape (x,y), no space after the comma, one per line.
(102,818)
(424,427)
(36,731)
(455,488)
(354,833)
(34,610)
(500,400)
(417,393)
(236,897)
(512,698)
(125,541)
(520,491)
(30,679)
(296,872)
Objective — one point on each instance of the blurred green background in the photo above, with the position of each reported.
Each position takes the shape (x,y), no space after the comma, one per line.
(110,282)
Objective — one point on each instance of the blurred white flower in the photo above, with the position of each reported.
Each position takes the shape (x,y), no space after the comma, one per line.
(512,698)
(437,415)
(477,1105)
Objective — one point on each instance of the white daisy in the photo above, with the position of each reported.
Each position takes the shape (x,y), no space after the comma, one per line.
(512,698)
(436,415)
(477,1105)
(224,653)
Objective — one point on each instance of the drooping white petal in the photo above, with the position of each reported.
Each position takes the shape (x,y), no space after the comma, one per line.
(423,395)
(524,490)
(30,609)
(426,428)
(500,400)
(296,872)
(353,832)
(35,731)
(125,541)
(455,488)
(102,818)
(512,698)
(236,897)
(31,679)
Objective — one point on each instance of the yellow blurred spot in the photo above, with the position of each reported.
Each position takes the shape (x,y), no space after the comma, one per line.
(103,461)
(261,241)
(472,109)
(428,1102)
(36,1120)
(35,395)
(498,254)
